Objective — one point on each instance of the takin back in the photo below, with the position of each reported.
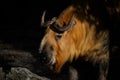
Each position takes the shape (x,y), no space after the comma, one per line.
(75,33)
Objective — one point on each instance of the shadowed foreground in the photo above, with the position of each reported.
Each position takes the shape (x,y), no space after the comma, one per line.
(20,74)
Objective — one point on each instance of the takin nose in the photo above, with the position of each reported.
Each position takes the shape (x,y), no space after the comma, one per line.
(45,58)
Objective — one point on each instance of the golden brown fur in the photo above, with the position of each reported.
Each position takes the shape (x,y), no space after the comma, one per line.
(82,39)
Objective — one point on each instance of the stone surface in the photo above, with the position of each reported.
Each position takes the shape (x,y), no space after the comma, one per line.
(20,74)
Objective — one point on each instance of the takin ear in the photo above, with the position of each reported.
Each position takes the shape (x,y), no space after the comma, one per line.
(66,15)
(71,22)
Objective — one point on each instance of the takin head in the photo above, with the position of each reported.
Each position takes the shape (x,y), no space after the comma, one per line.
(57,42)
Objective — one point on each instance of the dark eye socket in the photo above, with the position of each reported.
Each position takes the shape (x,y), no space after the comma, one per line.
(59,36)
(51,48)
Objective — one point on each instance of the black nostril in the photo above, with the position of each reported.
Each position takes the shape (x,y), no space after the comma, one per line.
(46,54)
(44,58)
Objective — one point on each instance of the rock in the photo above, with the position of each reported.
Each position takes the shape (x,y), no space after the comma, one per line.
(20,73)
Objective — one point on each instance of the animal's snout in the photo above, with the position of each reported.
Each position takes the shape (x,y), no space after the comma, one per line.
(45,58)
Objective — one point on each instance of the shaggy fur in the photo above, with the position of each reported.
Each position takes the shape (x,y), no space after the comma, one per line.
(87,39)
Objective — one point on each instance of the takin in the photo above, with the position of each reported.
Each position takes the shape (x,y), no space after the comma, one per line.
(74,34)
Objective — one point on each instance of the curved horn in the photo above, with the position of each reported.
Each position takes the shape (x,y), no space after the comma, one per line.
(59,29)
(43,18)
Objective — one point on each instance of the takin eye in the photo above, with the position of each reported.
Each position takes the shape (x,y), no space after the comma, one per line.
(58,36)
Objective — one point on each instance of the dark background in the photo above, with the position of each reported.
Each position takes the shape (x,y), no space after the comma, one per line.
(20,20)
(20,26)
